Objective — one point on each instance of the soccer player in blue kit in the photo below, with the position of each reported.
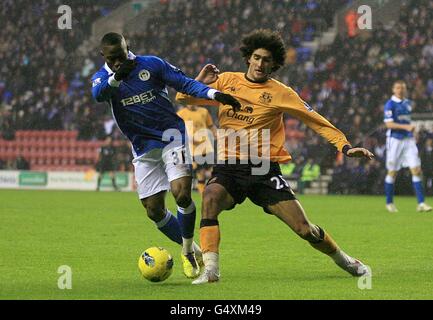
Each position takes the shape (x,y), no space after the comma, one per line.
(401,149)
(136,89)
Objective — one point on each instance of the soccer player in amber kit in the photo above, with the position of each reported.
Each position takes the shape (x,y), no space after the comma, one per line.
(264,100)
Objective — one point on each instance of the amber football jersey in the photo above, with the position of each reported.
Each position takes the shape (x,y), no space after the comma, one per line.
(263,106)
(196,120)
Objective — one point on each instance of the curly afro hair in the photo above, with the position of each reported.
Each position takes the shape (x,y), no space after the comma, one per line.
(264,39)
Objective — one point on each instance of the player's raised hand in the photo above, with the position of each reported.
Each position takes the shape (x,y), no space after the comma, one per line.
(208,75)
(228,99)
(125,69)
(359,153)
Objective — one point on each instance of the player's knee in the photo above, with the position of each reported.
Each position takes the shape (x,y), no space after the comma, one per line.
(155,211)
(308,232)
(183,199)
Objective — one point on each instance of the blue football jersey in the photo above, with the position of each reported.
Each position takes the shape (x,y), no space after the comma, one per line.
(140,103)
(398,111)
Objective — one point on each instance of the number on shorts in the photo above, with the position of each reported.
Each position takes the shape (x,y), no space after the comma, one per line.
(279,182)
(175,156)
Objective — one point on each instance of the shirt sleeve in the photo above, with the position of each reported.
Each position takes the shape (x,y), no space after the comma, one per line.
(186,99)
(103,86)
(296,107)
(176,79)
(388,112)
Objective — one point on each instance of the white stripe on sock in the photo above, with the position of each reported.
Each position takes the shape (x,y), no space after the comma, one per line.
(188,210)
(165,220)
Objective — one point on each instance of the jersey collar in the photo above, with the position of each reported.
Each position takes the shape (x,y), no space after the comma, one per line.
(395,99)
(131,56)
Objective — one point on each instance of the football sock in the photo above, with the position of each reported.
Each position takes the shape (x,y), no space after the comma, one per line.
(417,185)
(211,261)
(324,243)
(389,189)
(209,236)
(170,227)
(341,258)
(186,218)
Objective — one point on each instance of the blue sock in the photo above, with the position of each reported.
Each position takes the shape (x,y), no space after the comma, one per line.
(389,192)
(417,185)
(170,227)
(186,217)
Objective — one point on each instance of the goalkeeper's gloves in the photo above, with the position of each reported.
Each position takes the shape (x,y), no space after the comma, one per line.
(227,99)
(125,69)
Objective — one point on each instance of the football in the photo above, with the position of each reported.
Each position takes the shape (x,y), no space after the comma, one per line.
(155,264)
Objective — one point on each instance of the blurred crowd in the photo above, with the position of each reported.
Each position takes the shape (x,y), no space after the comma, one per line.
(44,83)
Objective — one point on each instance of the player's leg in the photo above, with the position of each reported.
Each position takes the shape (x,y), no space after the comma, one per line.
(152,185)
(98,185)
(413,160)
(164,220)
(394,159)
(186,215)
(113,180)
(419,190)
(389,190)
(215,200)
(293,215)
(179,174)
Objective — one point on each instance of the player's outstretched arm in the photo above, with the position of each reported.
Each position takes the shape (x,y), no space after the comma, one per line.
(190,87)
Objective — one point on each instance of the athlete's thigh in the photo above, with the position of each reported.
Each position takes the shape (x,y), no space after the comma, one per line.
(291,213)
(150,177)
(269,189)
(216,199)
(411,156)
(229,180)
(394,154)
(177,165)
(181,185)
(155,202)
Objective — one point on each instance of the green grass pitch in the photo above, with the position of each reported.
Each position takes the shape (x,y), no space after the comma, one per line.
(101,235)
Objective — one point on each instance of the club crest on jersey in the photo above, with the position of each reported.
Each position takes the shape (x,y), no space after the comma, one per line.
(144,75)
(266,97)
(96,82)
